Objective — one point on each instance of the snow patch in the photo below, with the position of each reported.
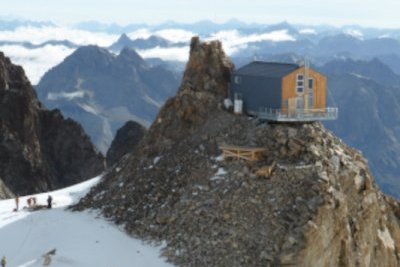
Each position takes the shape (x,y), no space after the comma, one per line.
(355,33)
(220,172)
(220,158)
(219,175)
(152,101)
(65,95)
(156,160)
(81,239)
(359,76)
(90,109)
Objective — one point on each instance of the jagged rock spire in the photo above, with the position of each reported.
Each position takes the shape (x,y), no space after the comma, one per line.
(208,68)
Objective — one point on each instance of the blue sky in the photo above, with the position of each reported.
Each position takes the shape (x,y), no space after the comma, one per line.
(383,13)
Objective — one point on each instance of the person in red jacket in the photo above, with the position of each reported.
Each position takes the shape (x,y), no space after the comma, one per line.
(16,203)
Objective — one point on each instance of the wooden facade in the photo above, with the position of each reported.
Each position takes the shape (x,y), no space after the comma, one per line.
(282,92)
(290,94)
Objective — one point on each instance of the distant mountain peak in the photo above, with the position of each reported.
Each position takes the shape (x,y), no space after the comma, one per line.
(124,40)
(124,37)
(91,49)
(139,43)
(103,91)
(132,56)
(90,55)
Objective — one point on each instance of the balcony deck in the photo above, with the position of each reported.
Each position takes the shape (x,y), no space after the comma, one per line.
(298,115)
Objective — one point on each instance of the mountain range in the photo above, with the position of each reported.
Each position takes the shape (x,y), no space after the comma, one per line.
(368,97)
(102,91)
(168,41)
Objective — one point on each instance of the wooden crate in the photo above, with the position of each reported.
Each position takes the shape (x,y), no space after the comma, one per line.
(246,153)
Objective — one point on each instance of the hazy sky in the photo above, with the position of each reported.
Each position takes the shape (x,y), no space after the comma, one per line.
(382,13)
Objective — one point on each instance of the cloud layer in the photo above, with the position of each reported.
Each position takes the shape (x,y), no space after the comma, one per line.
(39,60)
(172,35)
(233,40)
(170,54)
(36,61)
(38,35)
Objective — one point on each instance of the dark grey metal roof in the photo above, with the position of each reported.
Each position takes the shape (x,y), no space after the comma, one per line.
(267,69)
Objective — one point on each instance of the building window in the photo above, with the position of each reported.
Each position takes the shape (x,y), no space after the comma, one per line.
(300,84)
(311,83)
(238,79)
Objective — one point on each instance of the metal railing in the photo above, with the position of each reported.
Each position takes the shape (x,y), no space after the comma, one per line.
(329,113)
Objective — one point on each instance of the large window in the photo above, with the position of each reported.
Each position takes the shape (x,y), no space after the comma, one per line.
(311,83)
(311,92)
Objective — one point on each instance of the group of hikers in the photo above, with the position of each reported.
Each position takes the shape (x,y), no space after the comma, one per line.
(32,202)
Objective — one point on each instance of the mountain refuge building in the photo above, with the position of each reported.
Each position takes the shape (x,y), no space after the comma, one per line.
(281,92)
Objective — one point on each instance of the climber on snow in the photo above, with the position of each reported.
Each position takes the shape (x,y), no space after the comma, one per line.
(16,203)
(49,202)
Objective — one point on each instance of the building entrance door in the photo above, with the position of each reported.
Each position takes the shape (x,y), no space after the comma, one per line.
(299,102)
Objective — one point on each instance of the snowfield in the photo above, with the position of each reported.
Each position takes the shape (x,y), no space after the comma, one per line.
(81,239)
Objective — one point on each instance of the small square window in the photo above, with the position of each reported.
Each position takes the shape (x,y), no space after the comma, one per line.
(300,89)
(300,77)
(300,83)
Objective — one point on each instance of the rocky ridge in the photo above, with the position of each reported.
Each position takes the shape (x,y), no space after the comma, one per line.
(39,149)
(125,141)
(310,201)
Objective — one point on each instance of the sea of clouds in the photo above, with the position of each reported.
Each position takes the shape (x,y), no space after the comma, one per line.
(36,61)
